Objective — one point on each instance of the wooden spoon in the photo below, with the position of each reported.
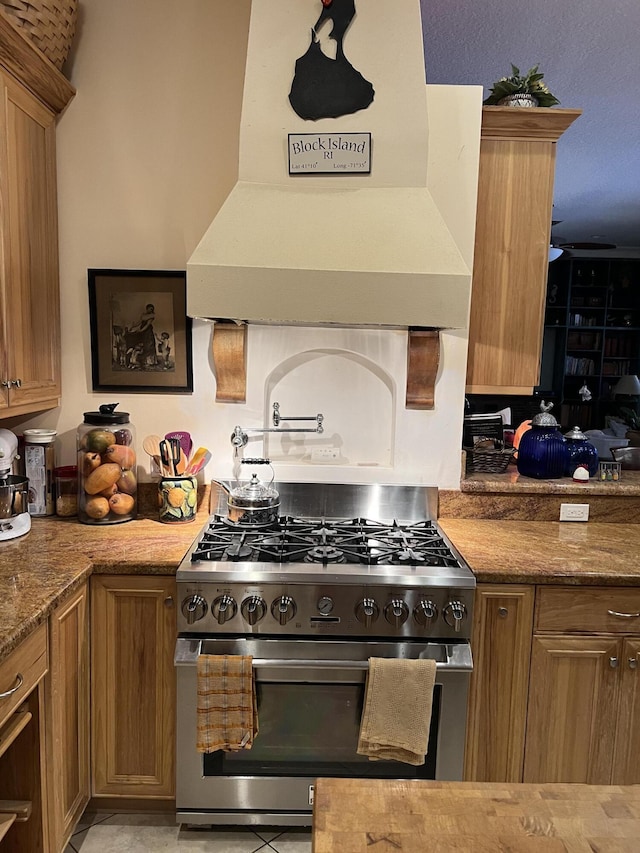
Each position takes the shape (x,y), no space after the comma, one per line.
(151,446)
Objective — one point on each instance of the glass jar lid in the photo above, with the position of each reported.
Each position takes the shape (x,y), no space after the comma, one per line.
(106,415)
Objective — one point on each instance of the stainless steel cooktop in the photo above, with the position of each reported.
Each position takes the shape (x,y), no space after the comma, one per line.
(340,560)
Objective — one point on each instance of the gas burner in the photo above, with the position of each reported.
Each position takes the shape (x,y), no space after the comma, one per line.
(325,554)
(238,551)
(358,540)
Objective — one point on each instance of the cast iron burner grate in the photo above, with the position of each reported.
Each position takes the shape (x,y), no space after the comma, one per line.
(355,540)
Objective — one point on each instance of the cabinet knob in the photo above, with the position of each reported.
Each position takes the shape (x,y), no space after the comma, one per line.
(16,383)
(503,612)
(168,602)
(613,663)
(5,383)
(633,663)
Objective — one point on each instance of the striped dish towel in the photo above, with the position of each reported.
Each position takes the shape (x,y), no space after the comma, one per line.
(227,715)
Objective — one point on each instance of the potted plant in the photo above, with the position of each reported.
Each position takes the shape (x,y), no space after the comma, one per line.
(521,90)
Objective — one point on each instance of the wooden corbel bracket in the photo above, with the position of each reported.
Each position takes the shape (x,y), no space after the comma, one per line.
(230,361)
(423,358)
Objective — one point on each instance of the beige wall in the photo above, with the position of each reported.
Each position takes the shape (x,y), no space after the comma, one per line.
(147,152)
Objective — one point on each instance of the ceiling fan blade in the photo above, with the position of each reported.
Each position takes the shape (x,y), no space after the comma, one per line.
(587,246)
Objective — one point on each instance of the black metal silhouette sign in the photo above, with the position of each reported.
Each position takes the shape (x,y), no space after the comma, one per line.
(324,87)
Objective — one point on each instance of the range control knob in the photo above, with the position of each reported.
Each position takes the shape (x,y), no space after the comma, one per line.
(454,613)
(194,608)
(425,612)
(283,609)
(396,612)
(253,609)
(224,608)
(367,612)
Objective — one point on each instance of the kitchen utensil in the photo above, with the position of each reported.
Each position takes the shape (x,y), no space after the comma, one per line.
(185,441)
(255,503)
(629,457)
(165,458)
(198,461)
(175,454)
(151,445)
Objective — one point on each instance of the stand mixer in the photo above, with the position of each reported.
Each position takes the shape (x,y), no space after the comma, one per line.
(14,491)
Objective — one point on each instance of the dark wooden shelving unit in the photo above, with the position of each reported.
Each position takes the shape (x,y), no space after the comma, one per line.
(591,335)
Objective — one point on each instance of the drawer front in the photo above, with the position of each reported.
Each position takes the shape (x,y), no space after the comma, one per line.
(601,610)
(23,669)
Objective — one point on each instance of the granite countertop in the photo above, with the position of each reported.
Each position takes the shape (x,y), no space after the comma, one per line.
(39,570)
(547,552)
(511,482)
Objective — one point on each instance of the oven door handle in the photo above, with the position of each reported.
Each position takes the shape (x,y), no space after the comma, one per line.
(458,655)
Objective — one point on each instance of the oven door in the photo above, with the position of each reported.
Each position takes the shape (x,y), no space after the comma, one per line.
(310,695)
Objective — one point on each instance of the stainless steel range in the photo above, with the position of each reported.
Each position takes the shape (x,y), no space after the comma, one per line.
(345,573)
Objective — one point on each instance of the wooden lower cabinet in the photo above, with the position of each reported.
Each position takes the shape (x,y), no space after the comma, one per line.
(501,644)
(133,630)
(583,722)
(67,717)
(573,709)
(555,691)
(626,757)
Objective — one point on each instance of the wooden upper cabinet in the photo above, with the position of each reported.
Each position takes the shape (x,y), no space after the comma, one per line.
(33,91)
(513,227)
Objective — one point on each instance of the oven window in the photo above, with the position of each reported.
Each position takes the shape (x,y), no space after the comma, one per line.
(312,730)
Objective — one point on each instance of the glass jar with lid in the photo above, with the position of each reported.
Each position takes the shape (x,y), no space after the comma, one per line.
(543,449)
(107,481)
(580,451)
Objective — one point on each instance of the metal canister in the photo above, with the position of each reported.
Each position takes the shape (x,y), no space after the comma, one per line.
(39,462)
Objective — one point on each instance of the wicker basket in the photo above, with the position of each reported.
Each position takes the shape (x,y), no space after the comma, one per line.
(488,461)
(50,24)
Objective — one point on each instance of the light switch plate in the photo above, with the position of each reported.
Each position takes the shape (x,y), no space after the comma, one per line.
(574,512)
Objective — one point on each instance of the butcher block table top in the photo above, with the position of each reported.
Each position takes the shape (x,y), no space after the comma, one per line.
(386,816)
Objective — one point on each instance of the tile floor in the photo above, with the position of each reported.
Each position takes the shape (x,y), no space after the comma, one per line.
(147,833)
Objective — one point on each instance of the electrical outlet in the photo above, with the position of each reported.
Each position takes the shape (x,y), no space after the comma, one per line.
(325,454)
(574,512)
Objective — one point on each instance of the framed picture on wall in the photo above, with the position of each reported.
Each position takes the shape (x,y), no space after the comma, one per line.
(140,332)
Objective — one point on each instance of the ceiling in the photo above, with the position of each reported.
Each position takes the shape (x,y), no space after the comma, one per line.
(590,55)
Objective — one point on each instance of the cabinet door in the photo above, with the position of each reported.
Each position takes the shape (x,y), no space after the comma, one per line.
(133,631)
(501,644)
(572,714)
(626,765)
(68,716)
(511,259)
(31,377)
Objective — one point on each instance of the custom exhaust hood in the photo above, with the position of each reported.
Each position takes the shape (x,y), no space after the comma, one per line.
(365,218)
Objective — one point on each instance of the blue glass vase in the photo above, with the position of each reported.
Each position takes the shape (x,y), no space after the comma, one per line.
(580,451)
(543,449)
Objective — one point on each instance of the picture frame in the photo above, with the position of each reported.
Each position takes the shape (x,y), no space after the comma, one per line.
(140,332)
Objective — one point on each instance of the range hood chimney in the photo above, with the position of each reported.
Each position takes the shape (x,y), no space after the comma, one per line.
(319,247)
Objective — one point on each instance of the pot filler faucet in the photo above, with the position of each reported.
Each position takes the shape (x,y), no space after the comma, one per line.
(240,437)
